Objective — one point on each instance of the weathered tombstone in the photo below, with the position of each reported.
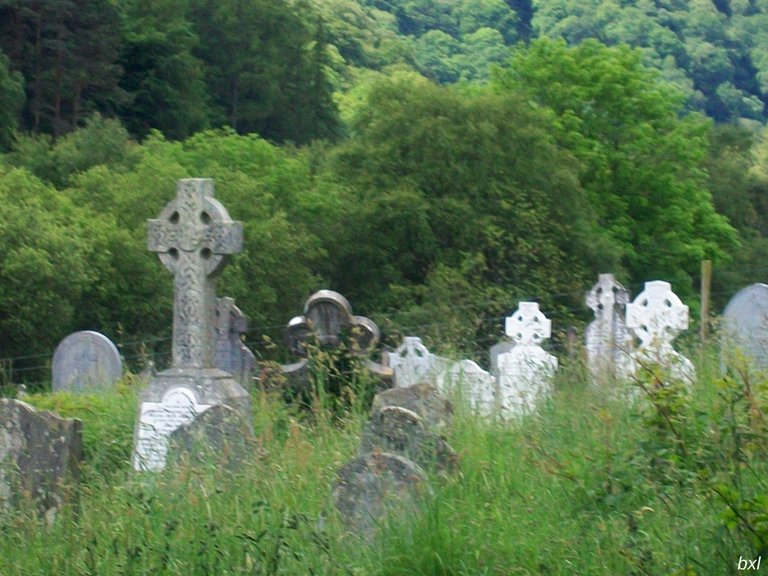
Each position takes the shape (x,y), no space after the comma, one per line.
(401,431)
(85,361)
(745,327)
(526,371)
(609,341)
(40,456)
(424,399)
(473,385)
(494,353)
(231,354)
(219,435)
(657,316)
(374,485)
(414,363)
(193,237)
(328,323)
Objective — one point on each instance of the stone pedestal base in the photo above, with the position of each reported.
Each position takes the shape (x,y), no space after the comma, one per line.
(175,398)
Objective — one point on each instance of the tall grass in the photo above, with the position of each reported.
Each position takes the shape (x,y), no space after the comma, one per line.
(592,484)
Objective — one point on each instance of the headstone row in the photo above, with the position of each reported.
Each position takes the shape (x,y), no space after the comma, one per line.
(522,372)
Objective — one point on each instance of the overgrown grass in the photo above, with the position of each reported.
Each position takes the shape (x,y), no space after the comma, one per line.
(672,483)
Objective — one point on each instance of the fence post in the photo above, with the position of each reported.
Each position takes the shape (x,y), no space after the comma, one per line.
(706,292)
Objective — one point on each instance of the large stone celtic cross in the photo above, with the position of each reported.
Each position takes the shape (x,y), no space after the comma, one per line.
(193,236)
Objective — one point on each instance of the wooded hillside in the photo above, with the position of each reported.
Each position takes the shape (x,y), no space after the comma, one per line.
(433,161)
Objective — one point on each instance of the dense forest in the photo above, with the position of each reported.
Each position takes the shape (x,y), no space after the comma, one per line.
(434,161)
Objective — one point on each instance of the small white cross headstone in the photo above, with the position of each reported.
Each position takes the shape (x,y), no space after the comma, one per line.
(414,363)
(193,236)
(609,342)
(656,317)
(471,384)
(527,370)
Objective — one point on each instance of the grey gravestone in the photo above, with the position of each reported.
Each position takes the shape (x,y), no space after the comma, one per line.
(473,385)
(219,436)
(328,323)
(414,363)
(374,485)
(608,339)
(656,317)
(400,431)
(745,327)
(193,236)
(424,399)
(527,370)
(85,361)
(231,354)
(40,456)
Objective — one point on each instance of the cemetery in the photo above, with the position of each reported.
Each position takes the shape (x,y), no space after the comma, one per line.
(222,463)
(383,288)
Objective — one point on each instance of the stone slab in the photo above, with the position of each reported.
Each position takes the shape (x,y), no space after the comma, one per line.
(84,361)
(175,398)
(400,431)
(433,408)
(374,485)
(745,327)
(40,457)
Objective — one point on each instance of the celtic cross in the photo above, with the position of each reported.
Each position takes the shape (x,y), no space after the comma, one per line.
(193,236)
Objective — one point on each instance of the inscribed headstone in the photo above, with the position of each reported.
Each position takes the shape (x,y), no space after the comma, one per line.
(85,361)
(231,354)
(473,385)
(745,326)
(193,236)
(609,341)
(527,370)
(656,317)
(40,456)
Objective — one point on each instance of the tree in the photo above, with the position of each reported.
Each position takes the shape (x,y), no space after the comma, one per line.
(11,102)
(163,79)
(641,163)
(265,67)
(67,52)
(451,189)
(44,263)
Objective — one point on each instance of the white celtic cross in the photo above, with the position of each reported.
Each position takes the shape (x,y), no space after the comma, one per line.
(527,326)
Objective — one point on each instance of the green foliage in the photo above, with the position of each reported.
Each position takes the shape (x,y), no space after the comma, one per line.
(67,51)
(45,263)
(640,161)
(592,485)
(99,142)
(164,79)
(11,102)
(108,423)
(265,64)
(721,52)
(421,160)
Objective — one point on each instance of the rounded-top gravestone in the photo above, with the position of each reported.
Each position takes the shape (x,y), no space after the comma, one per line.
(745,325)
(84,361)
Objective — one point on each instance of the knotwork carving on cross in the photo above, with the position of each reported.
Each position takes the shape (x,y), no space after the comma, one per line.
(193,236)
